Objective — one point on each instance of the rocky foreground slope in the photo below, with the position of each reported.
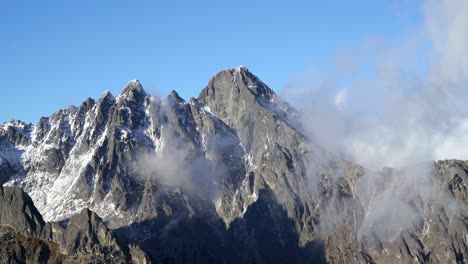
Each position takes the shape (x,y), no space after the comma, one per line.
(229,178)
(26,238)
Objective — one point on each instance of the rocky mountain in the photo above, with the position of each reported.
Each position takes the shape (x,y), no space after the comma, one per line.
(227,177)
(26,238)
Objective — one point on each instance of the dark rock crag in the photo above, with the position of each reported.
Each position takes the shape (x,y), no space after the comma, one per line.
(26,238)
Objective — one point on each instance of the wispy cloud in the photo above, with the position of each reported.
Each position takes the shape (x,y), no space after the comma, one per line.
(407,107)
(404,105)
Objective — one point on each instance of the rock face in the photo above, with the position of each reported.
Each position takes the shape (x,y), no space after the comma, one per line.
(435,231)
(225,178)
(26,237)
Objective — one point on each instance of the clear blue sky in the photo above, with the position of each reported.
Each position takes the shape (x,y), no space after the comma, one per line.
(57,53)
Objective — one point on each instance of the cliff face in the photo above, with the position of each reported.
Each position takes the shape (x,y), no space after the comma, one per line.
(26,238)
(225,178)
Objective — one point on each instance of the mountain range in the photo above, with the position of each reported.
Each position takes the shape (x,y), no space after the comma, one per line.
(228,177)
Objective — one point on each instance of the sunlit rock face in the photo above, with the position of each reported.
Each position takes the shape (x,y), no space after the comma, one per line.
(229,177)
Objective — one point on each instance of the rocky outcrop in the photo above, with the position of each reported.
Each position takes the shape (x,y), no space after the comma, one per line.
(6,170)
(18,212)
(18,248)
(26,238)
(435,233)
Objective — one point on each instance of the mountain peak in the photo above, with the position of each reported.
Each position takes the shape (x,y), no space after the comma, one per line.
(15,123)
(106,97)
(133,91)
(241,68)
(174,95)
(107,94)
(133,85)
(237,83)
(229,170)
(134,82)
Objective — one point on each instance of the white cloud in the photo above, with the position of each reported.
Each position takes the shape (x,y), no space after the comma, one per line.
(398,115)
(340,98)
(455,144)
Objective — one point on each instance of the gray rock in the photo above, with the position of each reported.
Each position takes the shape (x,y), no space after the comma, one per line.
(225,178)
(25,237)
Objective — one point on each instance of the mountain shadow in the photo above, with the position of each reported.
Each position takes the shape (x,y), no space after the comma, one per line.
(265,234)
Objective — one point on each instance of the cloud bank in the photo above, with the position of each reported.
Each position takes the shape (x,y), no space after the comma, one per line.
(394,105)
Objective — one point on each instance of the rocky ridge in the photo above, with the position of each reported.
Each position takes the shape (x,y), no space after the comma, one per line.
(225,178)
(84,238)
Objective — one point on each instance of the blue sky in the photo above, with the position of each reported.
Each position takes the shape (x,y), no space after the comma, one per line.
(57,53)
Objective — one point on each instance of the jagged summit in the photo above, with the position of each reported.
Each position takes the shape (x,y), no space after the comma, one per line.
(16,123)
(89,102)
(225,178)
(242,67)
(175,95)
(133,83)
(106,100)
(133,91)
(105,94)
(238,80)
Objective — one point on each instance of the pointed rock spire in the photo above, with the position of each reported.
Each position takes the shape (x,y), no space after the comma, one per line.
(174,96)
(133,91)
